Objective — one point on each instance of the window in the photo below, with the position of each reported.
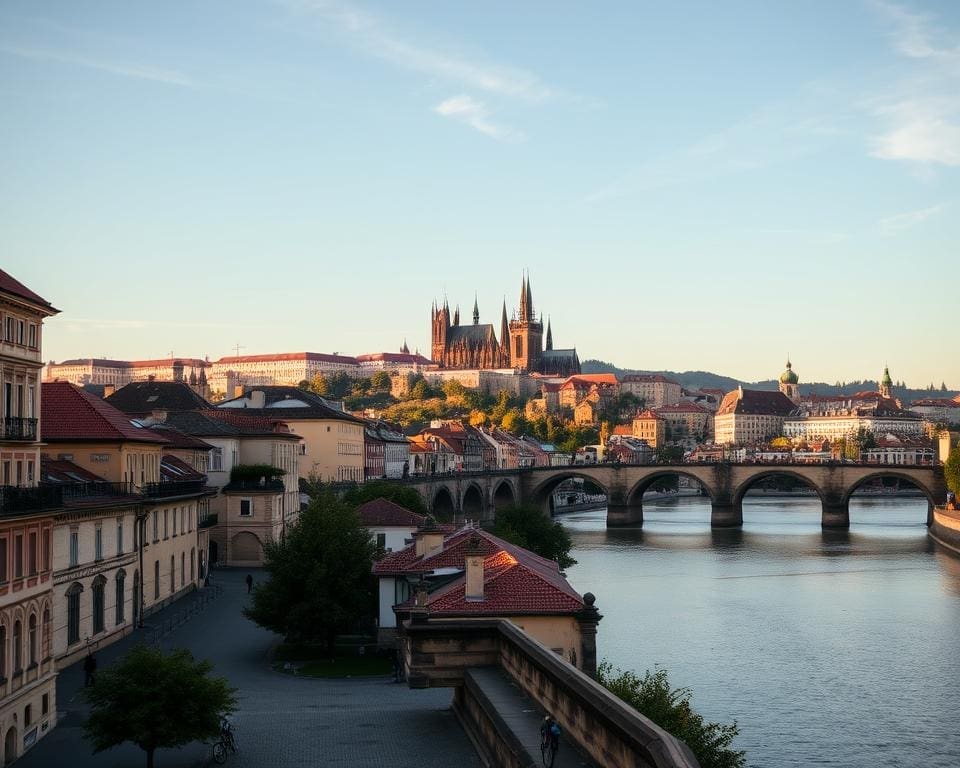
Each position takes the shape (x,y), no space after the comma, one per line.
(156,534)
(3,560)
(193,557)
(246,507)
(98,543)
(32,554)
(45,704)
(46,634)
(27,715)
(18,556)
(73,613)
(74,547)
(21,335)
(98,604)
(32,336)
(166,523)
(32,640)
(17,648)
(156,579)
(173,575)
(119,537)
(183,519)
(30,473)
(381,541)
(216,460)
(3,652)
(183,568)
(121,577)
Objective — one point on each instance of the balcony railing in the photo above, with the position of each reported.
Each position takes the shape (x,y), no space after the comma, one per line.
(209,521)
(15,500)
(16,428)
(172,488)
(276,486)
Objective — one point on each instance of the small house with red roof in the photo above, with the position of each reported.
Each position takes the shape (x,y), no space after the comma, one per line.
(393,526)
(472,574)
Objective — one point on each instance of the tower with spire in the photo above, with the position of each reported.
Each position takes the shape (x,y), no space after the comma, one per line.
(886,383)
(526,332)
(790,383)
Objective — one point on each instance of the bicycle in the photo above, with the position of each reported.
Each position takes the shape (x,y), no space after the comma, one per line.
(227,743)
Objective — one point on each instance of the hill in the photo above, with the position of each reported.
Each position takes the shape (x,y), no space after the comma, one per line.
(708,380)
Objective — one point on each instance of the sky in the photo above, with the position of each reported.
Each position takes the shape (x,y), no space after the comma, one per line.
(691,185)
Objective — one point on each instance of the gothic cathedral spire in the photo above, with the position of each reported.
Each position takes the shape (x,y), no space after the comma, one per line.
(549,335)
(476,311)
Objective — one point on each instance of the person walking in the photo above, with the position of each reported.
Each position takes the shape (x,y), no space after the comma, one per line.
(249,583)
(89,670)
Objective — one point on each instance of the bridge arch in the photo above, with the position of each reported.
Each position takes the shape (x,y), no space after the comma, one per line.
(541,496)
(504,495)
(774,471)
(443,506)
(472,504)
(635,495)
(883,473)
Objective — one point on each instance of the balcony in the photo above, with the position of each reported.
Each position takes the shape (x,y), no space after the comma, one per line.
(259,486)
(173,488)
(16,428)
(15,500)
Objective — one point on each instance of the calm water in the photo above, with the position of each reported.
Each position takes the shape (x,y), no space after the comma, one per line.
(829,648)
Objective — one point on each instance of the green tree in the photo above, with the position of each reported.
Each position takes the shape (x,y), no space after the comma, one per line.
(951,470)
(339,385)
(380,382)
(668,454)
(421,391)
(454,390)
(376,489)
(319,384)
(671,709)
(135,700)
(528,527)
(513,422)
(318,576)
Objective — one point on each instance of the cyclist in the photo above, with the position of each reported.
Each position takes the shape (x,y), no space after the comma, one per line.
(549,736)
(226,733)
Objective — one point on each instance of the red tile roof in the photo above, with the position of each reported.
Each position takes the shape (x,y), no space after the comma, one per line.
(10,284)
(649,378)
(178,439)
(383,512)
(72,414)
(648,415)
(757,402)
(394,357)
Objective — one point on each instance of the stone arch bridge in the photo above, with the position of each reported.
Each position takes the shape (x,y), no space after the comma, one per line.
(479,495)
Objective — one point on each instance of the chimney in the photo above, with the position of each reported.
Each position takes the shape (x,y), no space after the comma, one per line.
(428,538)
(108,389)
(258,399)
(474,566)
(238,390)
(159,416)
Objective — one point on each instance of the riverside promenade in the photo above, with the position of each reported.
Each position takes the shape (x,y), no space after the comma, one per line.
(281,720)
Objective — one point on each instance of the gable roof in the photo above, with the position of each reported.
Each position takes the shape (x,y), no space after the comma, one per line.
(213,424)
(10,284)
(383,512)
(756,402)
(173,469)
(283,402)
(70,413)
(142,397)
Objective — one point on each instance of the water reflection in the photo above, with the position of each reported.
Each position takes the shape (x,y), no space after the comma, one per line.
(826,645)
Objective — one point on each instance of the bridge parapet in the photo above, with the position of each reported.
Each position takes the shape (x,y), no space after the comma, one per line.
(438,653)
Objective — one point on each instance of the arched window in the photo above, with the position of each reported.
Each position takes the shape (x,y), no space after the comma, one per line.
(73,613)
(121,599)
(17,648)
(46,634)
(98,604)
(32,640)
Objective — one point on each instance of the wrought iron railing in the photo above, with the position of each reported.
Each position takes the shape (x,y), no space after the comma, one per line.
(16,428)
(172,488)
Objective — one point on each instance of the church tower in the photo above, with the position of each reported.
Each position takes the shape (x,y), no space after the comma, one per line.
(526,333)
(790,384)
(439,328)
(886,383)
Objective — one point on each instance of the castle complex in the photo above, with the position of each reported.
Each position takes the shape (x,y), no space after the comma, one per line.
(521,346)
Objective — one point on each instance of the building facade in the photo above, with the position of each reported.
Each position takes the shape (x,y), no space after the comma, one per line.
(749,416)
(654,389)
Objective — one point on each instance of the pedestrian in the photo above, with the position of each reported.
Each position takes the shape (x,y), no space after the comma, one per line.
(249,583)
(89,669)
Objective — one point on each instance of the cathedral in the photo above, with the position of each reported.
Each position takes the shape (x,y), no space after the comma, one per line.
(521,345)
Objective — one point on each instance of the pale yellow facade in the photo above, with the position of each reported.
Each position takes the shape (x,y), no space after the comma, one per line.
(117,462)
(650,428)
(332,449)
(172,553)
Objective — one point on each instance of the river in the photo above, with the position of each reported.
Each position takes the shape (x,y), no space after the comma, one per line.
(828,647)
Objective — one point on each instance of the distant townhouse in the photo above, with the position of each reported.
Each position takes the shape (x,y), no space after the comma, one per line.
(28,706)
(399,363)
(837,417)
(391,525)
(431,455)
(650,427)
(900,450)
(396,448)
(464,441)
(939,410)
(374,454)
(333,441)
(686,422)
(576,388)
(654,389)
(750,416)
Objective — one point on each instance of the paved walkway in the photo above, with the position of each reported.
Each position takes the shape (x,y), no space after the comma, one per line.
(523,716)
(282,721)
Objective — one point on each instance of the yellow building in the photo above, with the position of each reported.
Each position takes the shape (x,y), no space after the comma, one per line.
(332,449)
(749,416)
(648,426)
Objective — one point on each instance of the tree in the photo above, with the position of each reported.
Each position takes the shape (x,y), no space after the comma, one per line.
(669,708)
(319,582)
(951,470)
(135,700)
(383,489)
(380,382)
(421,391)
(527,527)
(319,384)
(513,422)
(668,454)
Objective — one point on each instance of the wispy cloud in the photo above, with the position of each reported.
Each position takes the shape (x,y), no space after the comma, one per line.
(378,39)
(891,225)
(921,116)
(121,69)
(476,115)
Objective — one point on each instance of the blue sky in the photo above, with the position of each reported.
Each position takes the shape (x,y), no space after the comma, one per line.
(692,185)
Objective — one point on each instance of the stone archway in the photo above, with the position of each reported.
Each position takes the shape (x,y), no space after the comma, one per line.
(542,495)
(828,510)
(443,507)
(246,549)
(472,504)
(503,496)
(892,474)
(10,746)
